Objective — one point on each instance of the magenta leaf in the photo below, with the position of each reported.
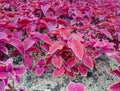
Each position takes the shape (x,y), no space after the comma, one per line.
(45,7)
(115,72)
(20,70)
(82,69)
(28,61)
(43,37)
(3,75)
(17,34)
(107,33)
(4,49)
(28,43)
(115,87)
(88,62)
(77,48)
(57,61)
(41,63)
(58,72)
(65,33)
(18,45)
(18,79)
(2,85)
(39,71)
(57,45)
(75,87)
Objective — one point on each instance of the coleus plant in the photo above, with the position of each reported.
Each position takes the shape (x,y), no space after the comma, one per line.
(75,87)
(10,72)
(66,34)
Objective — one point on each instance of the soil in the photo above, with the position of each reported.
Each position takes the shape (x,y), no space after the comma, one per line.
(98,80)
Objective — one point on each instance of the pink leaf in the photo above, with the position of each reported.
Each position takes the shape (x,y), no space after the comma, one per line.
(43,37)
(4,49)
(30,28)
(17,34)
(82,69)
(41,63)
(39,71)
(33,49)
(28,61)
(3,36)
(28,43)
(2,85)
(45,7)
(62,21)
(75,87)
(58,72)
(65,33)
(3,75)
(71,62)
(46,38)
(115,87)
(57,61)
(18,79)
(24,20)
(18,45)
(57,45)
(71,74)
(20,70)
(88,62)
(77,48)
(107,33)
(119,36)
(115,72)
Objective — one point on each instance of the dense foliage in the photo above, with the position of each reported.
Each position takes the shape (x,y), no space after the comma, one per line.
(65,34)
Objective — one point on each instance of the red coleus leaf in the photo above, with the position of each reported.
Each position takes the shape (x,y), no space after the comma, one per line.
(28,61)
(57,61)
(41,63)
(71,73)
(119,36)
(11,26)
(39,71)
(3,36)
(18,45)
(43,37)
(45,47)
(32,49)
(4,49)
(116,72)
(75,87)
(118,68)
(69,64)
(82,69)
(20,70)
(63,22)
(40,67)
(18,79)
(88,62)
(24,20)
(30,28)
(2,85)
(46,38)
(28,43)
(107,33)
(17,34)
(57,45)
(65,33)
(77,48)
(115,87)
(58,72)
(3,75)
(45,7)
